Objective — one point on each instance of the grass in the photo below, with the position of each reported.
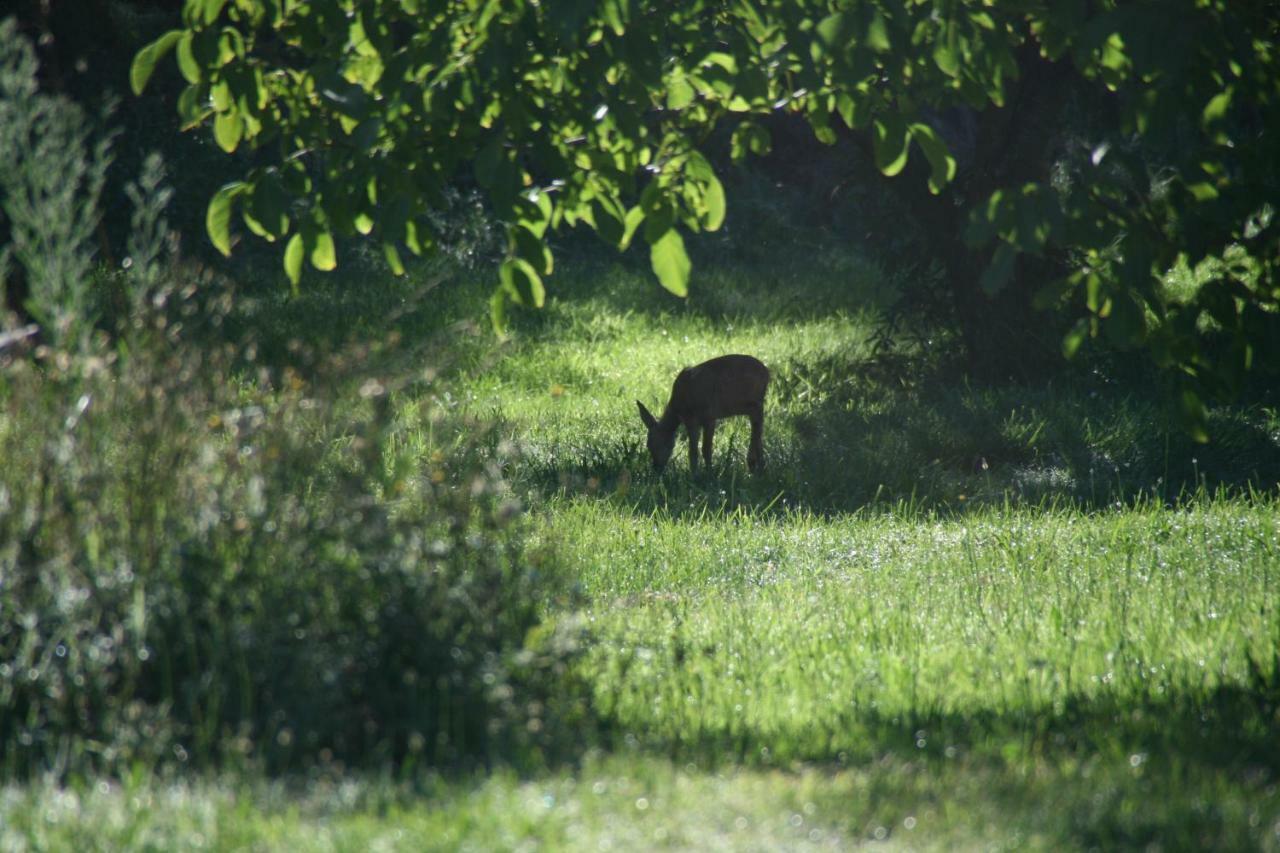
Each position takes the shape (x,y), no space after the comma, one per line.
(803,640)
(944,616)
(634,802)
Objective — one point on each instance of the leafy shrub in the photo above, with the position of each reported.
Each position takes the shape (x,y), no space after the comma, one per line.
(192,567)
(201,560)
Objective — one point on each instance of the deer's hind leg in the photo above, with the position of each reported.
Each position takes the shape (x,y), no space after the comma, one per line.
(755,453)
(708,434)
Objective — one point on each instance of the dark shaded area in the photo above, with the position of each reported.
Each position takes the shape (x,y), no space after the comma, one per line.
(1002,336)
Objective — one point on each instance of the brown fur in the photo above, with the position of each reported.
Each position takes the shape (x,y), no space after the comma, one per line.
(703,394)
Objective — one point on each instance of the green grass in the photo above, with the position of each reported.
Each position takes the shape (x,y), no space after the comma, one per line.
(943,616)
(803,639)
(636,802)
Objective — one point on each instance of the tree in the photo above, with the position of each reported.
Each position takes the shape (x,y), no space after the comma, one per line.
(596,113)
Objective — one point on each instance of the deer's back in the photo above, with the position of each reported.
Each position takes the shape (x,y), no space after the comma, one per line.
(724,386)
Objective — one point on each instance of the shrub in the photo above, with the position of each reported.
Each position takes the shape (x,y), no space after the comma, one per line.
(205,560)
(197,567)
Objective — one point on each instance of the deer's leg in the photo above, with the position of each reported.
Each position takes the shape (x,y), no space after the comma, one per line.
(755,453)
(691,428)
(708,433)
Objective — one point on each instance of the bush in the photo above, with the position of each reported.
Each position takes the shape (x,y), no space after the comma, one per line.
(203,560)
(193,568)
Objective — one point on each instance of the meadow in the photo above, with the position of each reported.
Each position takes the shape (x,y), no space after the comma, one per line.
(944,615)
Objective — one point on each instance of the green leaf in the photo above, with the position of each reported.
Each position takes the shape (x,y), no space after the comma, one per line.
(983,20)
(719,58)
(751,137)
(698,167)
(324,256)
(608,220)
(1075,337)
(1094,297)
(532,249)
(634,217)
(713,204)
(186,59)
(217,220)
(890,144)
(270,205)
(658,220)
(1203,191)
(293,259)
(144,62)
(835,31)
(228,128)
(221,95)
(212,9)
(191,107)
(533,211)
(942,164)
(522,282)
(615,15)
(498,310)
(414,241)
(878,33)
(945,58)
(679,93)
(670,262)
(820,121)
(851,110)
(1217,107)
(392,254)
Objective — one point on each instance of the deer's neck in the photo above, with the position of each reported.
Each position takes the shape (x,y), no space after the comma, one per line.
(669,420)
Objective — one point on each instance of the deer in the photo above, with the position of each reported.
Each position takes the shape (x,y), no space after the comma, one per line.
(703,394)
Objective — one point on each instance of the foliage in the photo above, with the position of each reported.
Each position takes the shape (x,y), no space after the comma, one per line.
(595,113)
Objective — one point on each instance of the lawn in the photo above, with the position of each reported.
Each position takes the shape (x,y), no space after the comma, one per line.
(943,616)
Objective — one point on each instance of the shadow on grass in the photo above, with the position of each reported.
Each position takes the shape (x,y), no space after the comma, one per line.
(847,434)
(1184,769)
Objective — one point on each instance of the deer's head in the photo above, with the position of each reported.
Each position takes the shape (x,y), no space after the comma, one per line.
(661,440)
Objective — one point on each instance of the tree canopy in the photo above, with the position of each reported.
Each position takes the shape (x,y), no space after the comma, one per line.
(597,112)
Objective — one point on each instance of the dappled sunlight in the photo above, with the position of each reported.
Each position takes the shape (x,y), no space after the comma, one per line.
(852,419)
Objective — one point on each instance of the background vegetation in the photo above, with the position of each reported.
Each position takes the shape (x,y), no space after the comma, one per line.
(335,566)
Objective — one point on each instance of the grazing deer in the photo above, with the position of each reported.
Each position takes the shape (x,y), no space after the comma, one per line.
(703,394)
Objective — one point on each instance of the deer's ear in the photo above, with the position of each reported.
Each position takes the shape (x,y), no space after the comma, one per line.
(649,420)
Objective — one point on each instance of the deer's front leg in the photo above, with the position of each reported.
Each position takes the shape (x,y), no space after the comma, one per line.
(708,433)
(691,429)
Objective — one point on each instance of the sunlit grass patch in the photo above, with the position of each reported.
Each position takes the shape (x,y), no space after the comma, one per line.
(802,629)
